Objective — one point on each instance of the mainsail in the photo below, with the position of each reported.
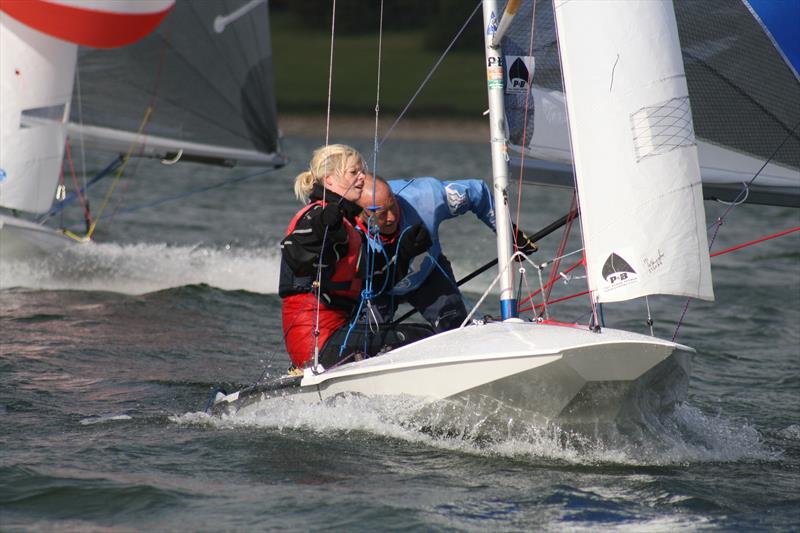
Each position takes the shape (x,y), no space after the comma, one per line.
(743,87)
(634,149)
(210,88)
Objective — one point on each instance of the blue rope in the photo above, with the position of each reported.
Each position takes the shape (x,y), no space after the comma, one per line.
(352,325)
(451,280)
(367,293)
(374,245)
(73,195)
(190,192)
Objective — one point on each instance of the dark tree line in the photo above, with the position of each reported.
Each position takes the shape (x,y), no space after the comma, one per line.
(439,20)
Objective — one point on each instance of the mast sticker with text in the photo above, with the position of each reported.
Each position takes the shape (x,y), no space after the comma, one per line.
(2,175)
(519,73)
(494,64)
(491,29)
(618,273)
(494,72)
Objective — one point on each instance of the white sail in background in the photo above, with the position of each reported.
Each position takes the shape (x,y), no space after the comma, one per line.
(634,148)
(38,53)
(36,80)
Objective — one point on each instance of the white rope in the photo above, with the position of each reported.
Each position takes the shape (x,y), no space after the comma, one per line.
(375,146)
(734,203)
(318,281)
(540,268)
(493,283)
(330,77)
(544,296)
(554,259)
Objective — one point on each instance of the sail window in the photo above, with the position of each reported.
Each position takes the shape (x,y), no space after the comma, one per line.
(662,128)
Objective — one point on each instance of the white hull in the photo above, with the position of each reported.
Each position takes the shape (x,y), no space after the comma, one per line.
(20,239)
(523,371)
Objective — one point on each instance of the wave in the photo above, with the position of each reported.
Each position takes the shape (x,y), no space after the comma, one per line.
(142,268)
(685,436)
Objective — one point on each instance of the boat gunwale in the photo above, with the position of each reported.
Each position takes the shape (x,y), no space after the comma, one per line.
(312,378)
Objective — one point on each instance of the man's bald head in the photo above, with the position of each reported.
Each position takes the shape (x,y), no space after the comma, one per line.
(379,205)
(376,186)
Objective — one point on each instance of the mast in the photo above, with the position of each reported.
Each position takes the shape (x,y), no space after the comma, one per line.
(494,81)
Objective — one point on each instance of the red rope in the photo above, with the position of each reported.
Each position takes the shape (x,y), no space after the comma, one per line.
(555,301)
(551,282)
(152,105)
(562,246)
(580,262)
(762,239)
(87,215)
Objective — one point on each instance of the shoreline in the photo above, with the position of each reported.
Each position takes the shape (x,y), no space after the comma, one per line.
(355,127)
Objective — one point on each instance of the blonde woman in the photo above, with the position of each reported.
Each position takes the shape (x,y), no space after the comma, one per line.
(322,233)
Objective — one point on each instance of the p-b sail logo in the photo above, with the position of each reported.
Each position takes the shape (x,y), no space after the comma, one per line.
(491,28)
(519,73)
(617,272)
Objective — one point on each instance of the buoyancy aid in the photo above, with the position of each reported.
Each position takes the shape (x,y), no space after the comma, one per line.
(385,239)
(343,282)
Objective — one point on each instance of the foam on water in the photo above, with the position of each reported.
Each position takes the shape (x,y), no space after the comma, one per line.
(102,419)
(143,268)
(791,432)
(648,525)
(686,436)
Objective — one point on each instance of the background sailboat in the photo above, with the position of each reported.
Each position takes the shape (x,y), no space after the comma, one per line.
(198,89)
(38,43)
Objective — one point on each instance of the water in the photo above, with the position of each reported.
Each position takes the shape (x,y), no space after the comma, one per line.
(109,353)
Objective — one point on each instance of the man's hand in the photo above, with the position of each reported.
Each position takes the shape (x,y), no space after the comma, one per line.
(524,243)
(415,240)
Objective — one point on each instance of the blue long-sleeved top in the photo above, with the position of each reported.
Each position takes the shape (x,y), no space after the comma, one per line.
(430,201)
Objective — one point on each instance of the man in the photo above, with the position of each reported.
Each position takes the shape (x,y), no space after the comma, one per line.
(429,285)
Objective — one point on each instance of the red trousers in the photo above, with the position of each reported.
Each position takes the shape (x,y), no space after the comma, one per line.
(299,322)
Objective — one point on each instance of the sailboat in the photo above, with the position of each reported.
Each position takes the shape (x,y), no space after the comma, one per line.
(177,81)
(637,168)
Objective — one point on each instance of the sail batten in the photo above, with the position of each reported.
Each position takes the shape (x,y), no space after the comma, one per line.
(634,150)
